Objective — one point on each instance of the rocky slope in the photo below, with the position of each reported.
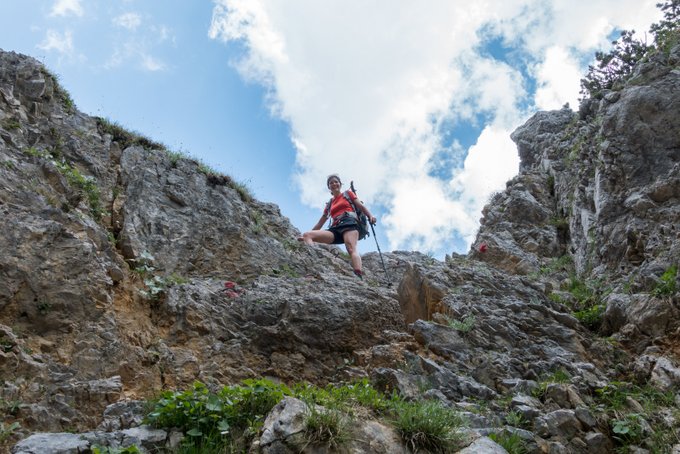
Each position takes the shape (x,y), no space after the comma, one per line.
(126,269)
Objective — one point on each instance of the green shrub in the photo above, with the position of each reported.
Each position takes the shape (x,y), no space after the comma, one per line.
(214,420)
(667,282)
(427,426)
(614,67)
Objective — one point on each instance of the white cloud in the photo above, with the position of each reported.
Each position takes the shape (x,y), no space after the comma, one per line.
(366,89)
(67,7)
(558,78)
(60,42)
(128,20)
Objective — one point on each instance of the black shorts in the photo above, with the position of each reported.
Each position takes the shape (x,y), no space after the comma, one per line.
(344,225)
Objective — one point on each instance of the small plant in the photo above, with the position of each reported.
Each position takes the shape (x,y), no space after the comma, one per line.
(6,431)
(44,307)
(629,428)
(667,283)
(463,326)
(143,265)
(243,191)
(559,376)
(326,426)
(175,157)
(10,123)
(86,184)
(515,419)
(156,286)
(6,344)
(32,151)
(510,441)
(285,270)
(427,425)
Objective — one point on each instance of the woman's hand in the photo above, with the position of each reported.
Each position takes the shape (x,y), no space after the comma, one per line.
(372,220)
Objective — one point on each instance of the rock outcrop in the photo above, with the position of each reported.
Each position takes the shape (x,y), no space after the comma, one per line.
(126,269)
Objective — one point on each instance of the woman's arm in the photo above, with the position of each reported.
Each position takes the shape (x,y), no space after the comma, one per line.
(363,208)
(321,222)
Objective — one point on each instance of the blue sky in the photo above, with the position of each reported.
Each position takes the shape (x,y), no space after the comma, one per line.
(414,101)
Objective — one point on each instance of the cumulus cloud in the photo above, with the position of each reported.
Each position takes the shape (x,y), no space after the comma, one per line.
(128,20)
(369,91)
(61,42)
(67,7)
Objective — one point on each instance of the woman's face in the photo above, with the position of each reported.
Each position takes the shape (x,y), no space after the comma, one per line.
(334,184)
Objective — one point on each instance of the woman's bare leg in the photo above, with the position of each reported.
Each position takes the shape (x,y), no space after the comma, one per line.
(318,236)
(351,238)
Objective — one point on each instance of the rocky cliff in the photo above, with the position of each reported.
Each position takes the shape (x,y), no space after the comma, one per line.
(126,269)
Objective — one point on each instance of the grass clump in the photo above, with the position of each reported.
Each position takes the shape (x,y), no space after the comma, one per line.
(127,138)
(326,426)
(510,441)
(60,93)
(427,426)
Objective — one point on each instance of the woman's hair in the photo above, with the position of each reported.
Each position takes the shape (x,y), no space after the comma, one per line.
(333,175)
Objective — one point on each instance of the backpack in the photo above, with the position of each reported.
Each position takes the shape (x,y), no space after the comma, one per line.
(362,219)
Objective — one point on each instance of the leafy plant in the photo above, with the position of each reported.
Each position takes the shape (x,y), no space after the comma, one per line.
(214,419)
(427,425)
(463,326)
(629,428)
(667,282)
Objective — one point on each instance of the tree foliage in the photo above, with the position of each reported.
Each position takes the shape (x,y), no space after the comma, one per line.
(614,67)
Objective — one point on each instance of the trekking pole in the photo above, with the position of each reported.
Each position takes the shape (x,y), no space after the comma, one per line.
(387,276)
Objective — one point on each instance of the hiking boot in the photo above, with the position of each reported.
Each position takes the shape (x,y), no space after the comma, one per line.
(359,274)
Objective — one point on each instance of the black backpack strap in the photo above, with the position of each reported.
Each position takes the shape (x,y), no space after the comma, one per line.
(327,210)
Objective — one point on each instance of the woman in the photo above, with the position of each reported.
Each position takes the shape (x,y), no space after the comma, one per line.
(344,226)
